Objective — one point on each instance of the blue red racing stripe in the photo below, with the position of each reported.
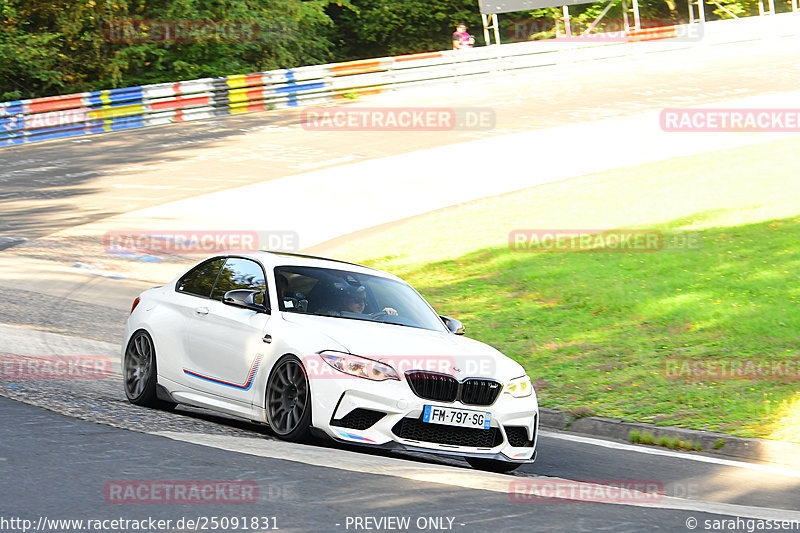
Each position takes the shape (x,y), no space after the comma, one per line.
(354,437)
(247,384)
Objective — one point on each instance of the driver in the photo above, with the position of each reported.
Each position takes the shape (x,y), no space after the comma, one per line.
(354,300)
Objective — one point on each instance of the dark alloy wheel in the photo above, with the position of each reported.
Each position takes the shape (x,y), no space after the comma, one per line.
(140,370)
(492,465)
(289,400)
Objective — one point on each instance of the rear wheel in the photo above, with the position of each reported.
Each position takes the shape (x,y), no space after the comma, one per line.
(140,370)
(288,400)
(492,465)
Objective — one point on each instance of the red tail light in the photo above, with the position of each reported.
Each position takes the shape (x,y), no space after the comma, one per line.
(135,303)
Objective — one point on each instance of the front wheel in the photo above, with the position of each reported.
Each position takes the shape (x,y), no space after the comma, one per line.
(492,465)
(289,400)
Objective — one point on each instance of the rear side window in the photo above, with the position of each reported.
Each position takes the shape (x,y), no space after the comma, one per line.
(200,280)
(240,273)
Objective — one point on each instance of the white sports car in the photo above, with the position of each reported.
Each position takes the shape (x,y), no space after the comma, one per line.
(317,346)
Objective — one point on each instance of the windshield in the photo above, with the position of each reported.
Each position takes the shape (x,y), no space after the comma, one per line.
(352,295)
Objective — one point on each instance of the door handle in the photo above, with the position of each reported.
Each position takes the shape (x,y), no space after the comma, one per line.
(201,310)
(267,338)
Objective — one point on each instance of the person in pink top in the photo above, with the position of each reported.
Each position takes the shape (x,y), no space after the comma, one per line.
(462,39)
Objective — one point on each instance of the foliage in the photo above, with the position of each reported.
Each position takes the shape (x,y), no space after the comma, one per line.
(56,46)
(60,46)
(379,28)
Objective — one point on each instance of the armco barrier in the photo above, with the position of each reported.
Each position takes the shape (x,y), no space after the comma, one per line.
(652,34)
(40,119)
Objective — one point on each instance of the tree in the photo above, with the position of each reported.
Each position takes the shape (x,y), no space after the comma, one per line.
(56,46)
(378,28)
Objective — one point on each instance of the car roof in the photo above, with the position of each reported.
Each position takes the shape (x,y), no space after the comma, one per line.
(271,259)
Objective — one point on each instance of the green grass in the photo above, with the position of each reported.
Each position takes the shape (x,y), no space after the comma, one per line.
(673,443)
(594,330)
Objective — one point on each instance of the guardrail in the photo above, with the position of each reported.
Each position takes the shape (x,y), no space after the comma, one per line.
(54,117)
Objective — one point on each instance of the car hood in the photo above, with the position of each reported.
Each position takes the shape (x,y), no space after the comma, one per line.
(407,348)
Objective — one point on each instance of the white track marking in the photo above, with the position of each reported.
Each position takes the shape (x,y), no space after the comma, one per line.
(669,453)
(443,474)
(155,187)
(134,198)
(35,344)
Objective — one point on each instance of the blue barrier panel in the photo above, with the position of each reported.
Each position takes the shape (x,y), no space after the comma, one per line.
(8,109)
(115,124)
(12,123)
(115,96)
(11,139)
(44,136)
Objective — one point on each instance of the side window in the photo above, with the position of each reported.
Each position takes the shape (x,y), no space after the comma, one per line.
(200,280)
(239,274)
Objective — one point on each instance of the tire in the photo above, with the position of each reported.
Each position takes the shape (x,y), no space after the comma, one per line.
(139,370)
(492,465)
(288,400)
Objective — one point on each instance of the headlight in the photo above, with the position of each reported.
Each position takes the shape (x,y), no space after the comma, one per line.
(519,387)
(361,367)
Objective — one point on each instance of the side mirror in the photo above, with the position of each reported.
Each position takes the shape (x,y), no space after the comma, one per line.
(247,299)
(455,326)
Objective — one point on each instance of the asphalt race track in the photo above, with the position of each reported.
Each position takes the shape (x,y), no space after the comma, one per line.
(63,442)
(75,460)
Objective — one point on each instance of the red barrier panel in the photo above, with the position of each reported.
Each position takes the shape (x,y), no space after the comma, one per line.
(55,103)
(356,67)
(180,103)
(412,57)
(652,34)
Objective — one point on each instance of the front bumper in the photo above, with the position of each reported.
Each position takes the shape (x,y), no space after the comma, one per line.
(349,410)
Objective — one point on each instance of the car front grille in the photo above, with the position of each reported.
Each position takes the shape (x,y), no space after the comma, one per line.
(433,386)
(359,419)
(444,388)
(415,429)
(479,391)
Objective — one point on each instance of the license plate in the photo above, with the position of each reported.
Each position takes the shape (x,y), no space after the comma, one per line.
(456,417)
